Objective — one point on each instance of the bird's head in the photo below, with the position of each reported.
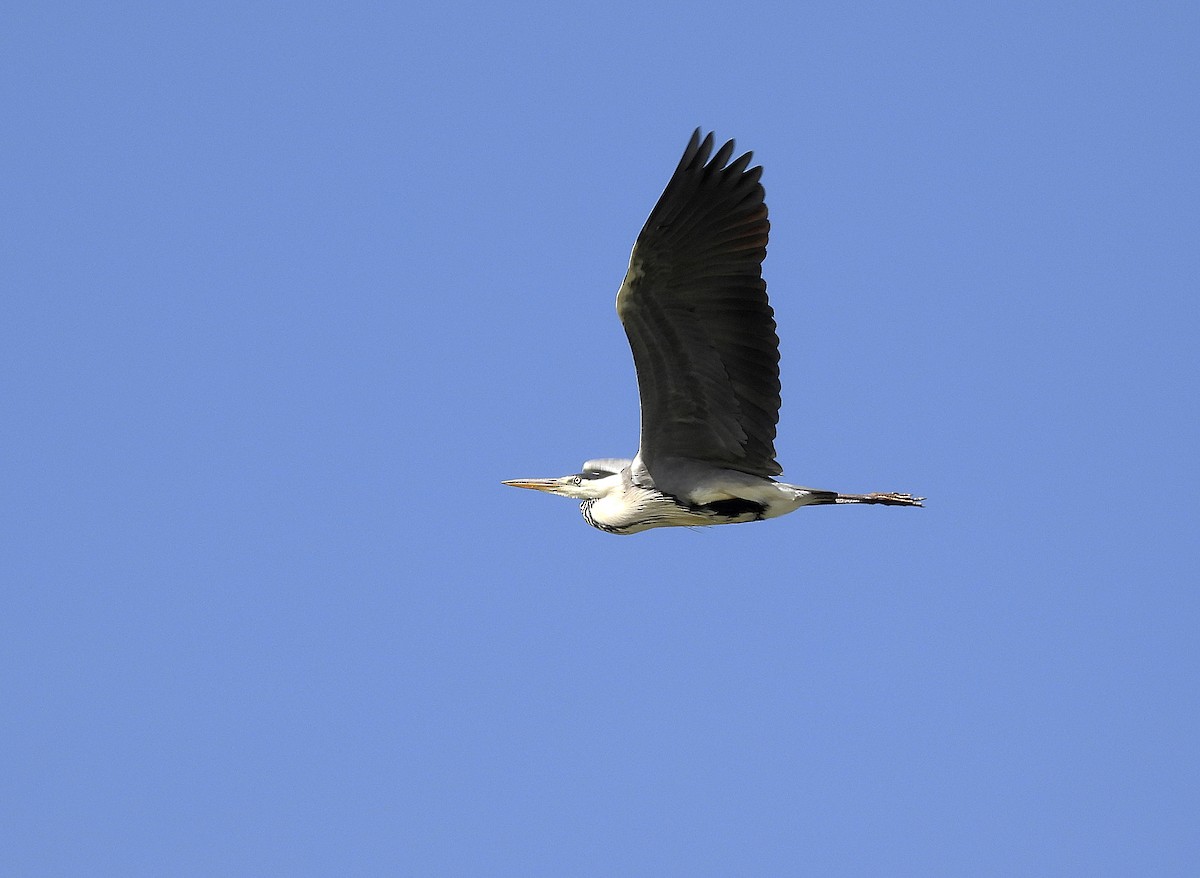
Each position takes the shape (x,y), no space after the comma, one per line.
(580,486)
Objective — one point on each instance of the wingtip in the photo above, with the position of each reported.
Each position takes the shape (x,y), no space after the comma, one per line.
(699,155)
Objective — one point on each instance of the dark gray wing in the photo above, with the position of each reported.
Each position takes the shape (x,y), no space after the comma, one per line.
(694,306)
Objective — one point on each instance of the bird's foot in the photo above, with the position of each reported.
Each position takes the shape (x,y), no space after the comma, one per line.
(893,499)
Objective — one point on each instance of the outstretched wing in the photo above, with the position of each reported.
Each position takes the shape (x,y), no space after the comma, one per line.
(694,306)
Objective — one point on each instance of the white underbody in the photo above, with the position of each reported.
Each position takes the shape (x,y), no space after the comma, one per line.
(628,508)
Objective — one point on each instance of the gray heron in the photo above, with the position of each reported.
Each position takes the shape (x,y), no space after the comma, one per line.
(694,307)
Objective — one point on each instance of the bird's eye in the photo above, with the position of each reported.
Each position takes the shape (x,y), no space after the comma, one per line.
(578,480)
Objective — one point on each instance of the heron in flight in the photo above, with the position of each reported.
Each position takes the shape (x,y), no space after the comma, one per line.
(694,306)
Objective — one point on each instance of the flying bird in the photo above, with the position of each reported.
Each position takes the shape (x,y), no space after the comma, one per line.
(694,307)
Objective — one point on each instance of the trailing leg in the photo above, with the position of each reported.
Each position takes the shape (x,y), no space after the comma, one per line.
(886,499)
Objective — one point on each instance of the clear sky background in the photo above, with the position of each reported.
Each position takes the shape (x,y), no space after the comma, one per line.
(289,288)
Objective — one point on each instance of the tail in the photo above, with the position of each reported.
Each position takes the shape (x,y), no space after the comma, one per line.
(823,498)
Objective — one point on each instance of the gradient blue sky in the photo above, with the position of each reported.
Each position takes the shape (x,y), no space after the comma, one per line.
(289,288)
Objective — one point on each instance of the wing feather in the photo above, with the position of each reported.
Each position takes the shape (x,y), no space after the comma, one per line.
(694,307)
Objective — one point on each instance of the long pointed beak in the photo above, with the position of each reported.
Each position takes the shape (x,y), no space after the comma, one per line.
(533,484)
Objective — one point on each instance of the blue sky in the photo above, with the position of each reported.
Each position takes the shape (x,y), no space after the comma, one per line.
(290,288)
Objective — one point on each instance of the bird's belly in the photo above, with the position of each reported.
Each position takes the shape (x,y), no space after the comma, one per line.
(650,509)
